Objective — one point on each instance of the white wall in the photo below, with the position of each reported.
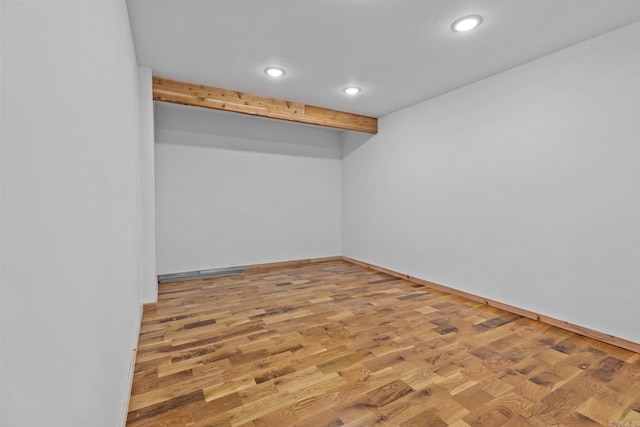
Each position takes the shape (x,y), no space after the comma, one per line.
(70,220)
(148,279)
(225,201)
(1,127)
(521,188)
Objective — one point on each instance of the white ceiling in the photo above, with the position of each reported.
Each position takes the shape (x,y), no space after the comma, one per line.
(399,52)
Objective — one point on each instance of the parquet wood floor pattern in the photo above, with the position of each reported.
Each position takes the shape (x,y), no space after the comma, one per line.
(336,344)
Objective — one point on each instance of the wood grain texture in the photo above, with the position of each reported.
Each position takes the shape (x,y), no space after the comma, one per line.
(337,344)
(600,336)
(150,306)
(176,92)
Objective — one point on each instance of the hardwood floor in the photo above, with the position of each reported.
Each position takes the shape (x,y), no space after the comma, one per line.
(335,344)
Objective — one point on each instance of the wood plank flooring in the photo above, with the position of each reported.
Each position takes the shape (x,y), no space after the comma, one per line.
(336,344)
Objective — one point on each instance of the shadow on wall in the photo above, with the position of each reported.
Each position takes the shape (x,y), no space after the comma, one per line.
(182,125)
(352,140)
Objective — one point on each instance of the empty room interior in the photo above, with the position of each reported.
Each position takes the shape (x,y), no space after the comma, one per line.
(339,213)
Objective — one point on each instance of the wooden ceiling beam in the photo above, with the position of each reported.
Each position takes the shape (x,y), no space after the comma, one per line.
(176,92)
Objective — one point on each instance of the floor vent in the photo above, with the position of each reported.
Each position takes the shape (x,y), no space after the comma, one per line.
(200,274)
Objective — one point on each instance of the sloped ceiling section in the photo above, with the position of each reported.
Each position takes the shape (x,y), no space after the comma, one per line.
(184,125)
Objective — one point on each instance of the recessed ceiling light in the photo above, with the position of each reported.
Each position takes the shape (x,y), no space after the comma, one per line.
(351,90)
(467,23)
(274,71)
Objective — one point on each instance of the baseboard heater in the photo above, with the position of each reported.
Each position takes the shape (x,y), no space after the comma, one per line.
(200,274)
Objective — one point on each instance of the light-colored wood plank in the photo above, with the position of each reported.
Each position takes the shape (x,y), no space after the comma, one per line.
(581,330)
(176,92)
(150,306)
(335,343)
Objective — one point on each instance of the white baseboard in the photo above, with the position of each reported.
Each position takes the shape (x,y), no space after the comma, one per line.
(132,365)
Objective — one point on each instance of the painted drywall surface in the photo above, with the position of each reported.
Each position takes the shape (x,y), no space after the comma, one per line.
(350,141)
(148,279)
(219,208)
(520,188)
(70,237)
(1,406)
(184,125)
